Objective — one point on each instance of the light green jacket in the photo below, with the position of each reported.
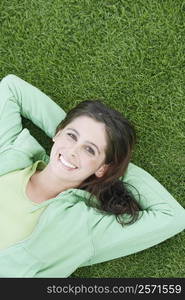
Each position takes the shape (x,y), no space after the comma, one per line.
(70,234)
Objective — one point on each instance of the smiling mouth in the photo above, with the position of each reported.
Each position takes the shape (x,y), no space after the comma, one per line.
(66,163)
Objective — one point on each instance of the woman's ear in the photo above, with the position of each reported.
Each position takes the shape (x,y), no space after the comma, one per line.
(101,171)
(58,133)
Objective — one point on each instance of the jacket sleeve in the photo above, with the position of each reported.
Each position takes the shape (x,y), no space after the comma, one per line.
(17,97)
(162,217)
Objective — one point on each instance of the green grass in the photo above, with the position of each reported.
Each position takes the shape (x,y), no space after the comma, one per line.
(129,53)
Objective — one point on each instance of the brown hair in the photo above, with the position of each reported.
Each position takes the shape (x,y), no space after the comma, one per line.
(113,195)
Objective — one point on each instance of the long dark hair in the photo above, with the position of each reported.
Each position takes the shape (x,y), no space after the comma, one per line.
(113,194)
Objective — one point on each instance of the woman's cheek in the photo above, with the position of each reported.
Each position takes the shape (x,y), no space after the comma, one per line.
(92,164)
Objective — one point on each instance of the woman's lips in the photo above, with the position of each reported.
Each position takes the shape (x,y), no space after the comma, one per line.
(65,163)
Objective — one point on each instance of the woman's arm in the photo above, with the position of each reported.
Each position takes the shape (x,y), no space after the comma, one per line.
(162,217)
(17,97)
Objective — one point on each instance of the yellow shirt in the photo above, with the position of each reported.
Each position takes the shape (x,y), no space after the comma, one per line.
(17,220)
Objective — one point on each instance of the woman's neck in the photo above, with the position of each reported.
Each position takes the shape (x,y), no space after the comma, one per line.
(43,186)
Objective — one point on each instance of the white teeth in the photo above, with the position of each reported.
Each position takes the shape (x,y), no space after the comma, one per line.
(66,163)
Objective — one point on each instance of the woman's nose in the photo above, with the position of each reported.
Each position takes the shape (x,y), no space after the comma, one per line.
(73,151)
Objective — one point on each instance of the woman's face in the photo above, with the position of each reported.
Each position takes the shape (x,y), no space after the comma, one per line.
(79,150)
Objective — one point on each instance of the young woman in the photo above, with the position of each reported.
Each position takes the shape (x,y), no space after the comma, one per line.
(84,204)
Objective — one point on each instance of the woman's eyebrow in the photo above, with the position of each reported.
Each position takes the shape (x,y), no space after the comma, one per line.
(85,141)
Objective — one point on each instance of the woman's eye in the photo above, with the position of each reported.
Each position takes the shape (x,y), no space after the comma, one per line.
(72,136)
(90,150)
